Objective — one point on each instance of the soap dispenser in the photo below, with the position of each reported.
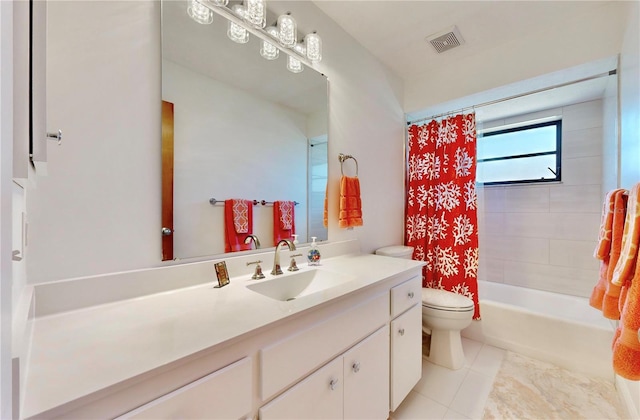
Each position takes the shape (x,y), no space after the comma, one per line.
(314,253)
(295,240)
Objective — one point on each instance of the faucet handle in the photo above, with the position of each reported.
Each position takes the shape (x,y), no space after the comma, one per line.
(292,265)
(257,275)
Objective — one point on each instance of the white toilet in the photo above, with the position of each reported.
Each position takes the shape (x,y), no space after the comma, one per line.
(444,315)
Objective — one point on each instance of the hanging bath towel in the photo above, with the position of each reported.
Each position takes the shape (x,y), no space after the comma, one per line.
(350,202)
(284,224)
(238,223)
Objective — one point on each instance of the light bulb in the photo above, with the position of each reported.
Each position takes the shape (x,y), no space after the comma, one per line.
(200,13)
(313,42)
(293,64)
(268,50)
(287,31)
(237,33)
(256,13)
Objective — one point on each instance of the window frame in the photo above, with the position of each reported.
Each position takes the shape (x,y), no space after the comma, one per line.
(558,153)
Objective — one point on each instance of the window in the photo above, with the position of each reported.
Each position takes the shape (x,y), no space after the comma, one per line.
(519,155)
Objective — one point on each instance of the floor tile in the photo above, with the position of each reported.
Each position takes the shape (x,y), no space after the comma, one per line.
(488,361)
(472,395)
(439,383)
(453,415)
(471,349)
(416,406)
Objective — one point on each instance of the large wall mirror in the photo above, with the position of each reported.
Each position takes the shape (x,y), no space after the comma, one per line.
(243,127)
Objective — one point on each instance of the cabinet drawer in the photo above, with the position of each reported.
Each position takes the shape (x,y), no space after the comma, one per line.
(289,360)
(404,295)
(320,396)
(223,394)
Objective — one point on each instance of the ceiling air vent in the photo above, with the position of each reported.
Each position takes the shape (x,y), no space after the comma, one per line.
(446,40)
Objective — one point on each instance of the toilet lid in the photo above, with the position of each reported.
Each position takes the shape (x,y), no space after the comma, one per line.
(444,300)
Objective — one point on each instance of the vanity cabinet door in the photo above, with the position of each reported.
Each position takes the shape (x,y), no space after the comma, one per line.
(406,354)
(366,378)
(223,394)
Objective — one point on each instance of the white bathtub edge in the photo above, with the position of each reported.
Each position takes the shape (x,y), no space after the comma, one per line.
(623,387)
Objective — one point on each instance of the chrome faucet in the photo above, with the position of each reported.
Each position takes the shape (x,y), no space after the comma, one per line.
(276,256)
(253,238)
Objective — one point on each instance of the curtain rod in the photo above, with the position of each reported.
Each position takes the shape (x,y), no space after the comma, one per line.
(497,101)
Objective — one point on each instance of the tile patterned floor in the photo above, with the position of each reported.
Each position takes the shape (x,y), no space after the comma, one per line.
(487,388)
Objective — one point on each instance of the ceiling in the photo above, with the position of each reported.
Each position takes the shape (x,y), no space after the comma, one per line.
(394,31)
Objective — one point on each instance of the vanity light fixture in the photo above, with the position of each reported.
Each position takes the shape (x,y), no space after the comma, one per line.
(313,43)
(237,33)
(287,30)
(256,13)
(200,13)
(250,17)
(268,50)
(293,64)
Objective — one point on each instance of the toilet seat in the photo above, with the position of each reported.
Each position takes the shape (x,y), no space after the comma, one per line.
(443,300)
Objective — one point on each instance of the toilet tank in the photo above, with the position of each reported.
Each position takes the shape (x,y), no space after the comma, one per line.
(396,251)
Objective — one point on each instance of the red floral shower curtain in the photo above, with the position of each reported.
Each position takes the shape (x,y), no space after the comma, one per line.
(441,221)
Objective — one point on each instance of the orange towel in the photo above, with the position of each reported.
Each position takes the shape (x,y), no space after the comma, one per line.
(626,345)
(350,203)
(238,223)
(284,225)
(325,215)
(630,239)
(610,301)
(602,251)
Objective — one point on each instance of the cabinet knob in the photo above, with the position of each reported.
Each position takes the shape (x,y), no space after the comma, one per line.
(410,295)
(56,136)
(356,367)
(333,384)
(401,331)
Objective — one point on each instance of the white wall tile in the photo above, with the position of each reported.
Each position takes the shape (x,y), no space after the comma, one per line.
(577,254)
(575,198)
(582,143)
(578,226)
(493,199)
(489,268)
(532,199)
(582,171)
(534,116)
(533,250)
(570,281)
(582,115)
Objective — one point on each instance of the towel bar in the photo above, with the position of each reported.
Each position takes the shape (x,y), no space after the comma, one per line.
(213,202)
(342,158)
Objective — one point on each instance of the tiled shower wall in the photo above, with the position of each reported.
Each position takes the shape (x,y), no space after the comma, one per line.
(542,236)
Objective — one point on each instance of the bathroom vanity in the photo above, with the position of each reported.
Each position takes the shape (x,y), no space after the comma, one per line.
(352,349)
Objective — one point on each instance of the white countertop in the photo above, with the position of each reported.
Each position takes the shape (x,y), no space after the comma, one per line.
(76,353)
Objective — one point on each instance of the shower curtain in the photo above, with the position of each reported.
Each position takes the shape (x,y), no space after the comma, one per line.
(441,221)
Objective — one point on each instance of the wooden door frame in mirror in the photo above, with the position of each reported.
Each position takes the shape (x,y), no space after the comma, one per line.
(167,181)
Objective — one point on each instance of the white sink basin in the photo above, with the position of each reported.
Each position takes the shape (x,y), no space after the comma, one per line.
(290,286)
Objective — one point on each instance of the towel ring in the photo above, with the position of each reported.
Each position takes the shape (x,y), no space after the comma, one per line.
(342,158)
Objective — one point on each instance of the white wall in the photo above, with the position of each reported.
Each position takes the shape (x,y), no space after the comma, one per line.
(585,38)
(99,209)
(630,142)
(267,160)
(630,100)
(6,157)
(542,236)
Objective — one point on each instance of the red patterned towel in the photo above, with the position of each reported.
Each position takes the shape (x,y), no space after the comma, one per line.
(238,223)
(284,225)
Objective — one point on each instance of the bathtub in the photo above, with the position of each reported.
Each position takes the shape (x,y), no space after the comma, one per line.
(559,329)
